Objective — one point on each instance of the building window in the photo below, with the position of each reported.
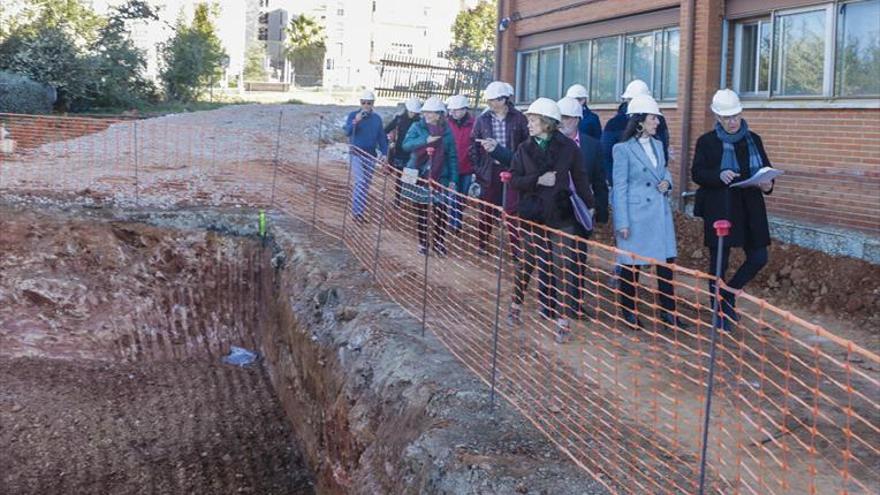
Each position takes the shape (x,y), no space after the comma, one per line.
(752,57)
(540,73)
(604,69)
(795,54)
(639,58)
(858,49)
(340,12)
(668,87)
(577,64)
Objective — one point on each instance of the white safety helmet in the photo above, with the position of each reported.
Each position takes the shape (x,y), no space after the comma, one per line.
(413,104)
(577,91)
(643,104)
(635,88)
(368,95)
(726,103)
(508,89)
(545,107)
(433,104)
(569,107)
(496,89)
(457,102)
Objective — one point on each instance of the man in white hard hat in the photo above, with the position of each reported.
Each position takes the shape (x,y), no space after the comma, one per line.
(396,131)
(728,154)
(615,126)
(461,123)
(548,172)
(590,124)
(502,126)
(365,132)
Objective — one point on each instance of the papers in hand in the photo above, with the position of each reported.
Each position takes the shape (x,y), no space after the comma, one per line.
(764,175)
(410,176)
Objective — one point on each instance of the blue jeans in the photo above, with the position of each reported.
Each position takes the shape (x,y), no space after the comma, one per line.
(362,175)
(457,201)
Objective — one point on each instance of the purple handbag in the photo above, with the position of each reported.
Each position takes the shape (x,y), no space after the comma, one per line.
(581,212)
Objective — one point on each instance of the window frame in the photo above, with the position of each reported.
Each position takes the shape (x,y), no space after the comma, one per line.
(830,85)
(657,65)
(738,56)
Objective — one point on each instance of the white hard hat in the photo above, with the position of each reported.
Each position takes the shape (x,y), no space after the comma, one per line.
(413,104)
(496,89)
(577,91)
(726,103)
(635,88)
(433,104)
(456,102)
(368,95)
(545,107)
(643,104)
(508,89)
(569,107)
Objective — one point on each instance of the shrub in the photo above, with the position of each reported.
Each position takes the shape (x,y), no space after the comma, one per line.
(19,94)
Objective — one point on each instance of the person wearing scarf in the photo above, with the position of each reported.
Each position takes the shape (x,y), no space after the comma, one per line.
(728,154)
(432,152)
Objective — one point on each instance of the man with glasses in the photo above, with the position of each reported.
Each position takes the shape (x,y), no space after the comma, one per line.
(728,154)
(365,131)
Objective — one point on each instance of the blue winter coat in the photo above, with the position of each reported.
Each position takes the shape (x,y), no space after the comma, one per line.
(639,206)
(590,124)
(614,131)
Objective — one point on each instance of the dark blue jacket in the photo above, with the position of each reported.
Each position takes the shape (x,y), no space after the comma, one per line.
(590,124)
(614,131)
(592,151)
(368,134)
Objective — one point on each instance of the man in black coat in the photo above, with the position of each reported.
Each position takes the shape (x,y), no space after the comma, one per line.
(729,154)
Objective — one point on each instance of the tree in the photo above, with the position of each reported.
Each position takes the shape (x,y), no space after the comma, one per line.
(255,63)
(192,59)
(306,46)
(473,38)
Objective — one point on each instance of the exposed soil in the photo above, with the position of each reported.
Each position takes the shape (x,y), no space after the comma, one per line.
(99,396)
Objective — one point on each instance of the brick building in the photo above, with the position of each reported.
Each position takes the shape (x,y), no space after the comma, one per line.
(808,72)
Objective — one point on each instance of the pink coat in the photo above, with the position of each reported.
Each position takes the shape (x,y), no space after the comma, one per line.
(462,136)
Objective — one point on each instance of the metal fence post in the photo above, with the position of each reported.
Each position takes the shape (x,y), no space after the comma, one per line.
(381,221)
(275,160)
(505,178)
(429,241)
(135,155)
(722,228)
(346,207)
(317,168)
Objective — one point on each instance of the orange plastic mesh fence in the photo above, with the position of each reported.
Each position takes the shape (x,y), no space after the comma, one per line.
(795,407)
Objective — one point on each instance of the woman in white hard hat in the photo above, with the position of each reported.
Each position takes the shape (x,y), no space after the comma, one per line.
(616,125)
(461,122)
(365,131)
(728,154)
(396,131)
(502,126)
(433,157)
(643,222)
(590,124)
(543,169)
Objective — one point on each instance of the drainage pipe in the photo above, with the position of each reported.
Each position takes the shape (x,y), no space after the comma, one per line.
(686,104)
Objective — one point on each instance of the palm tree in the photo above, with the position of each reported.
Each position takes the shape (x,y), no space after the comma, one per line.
(306,47)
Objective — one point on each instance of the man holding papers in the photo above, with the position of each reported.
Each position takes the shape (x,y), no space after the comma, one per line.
(734,173)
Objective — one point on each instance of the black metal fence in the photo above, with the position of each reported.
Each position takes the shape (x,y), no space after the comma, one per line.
(403,76)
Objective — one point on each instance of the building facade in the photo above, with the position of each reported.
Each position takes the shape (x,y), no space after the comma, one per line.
(808,72)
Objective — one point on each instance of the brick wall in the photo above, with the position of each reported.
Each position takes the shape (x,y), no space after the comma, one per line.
(831,156)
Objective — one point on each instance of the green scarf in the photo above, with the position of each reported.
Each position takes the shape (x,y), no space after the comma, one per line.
(542,143)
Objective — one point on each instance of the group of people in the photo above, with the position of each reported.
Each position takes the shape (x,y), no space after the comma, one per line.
(562,171)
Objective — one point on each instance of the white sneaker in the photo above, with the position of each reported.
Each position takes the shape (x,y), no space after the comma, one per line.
(563,331)
(514,314)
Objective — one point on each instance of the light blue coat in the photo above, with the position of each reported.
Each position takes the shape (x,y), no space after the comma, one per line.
(639,206)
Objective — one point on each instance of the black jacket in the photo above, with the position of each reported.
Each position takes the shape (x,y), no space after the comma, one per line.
(614,131)
(550,206)
(401,123)
(743,207)
(591,150)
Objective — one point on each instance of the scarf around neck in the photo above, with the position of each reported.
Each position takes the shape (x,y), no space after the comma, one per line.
(728,158)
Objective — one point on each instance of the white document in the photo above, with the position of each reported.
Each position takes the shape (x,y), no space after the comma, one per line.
(764,175)
(410,176)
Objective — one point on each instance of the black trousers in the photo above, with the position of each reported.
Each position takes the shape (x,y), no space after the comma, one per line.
(441,219)
(756,258)
(629,275)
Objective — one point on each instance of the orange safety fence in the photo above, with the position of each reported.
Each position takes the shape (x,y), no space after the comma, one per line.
(796,408)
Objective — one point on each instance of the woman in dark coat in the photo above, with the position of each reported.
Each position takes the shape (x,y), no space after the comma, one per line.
(542,171)
(729,154)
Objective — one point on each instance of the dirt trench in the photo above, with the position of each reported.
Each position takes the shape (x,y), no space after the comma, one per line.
(112,329)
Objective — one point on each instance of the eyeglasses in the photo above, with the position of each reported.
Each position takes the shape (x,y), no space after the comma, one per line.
(366,102)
